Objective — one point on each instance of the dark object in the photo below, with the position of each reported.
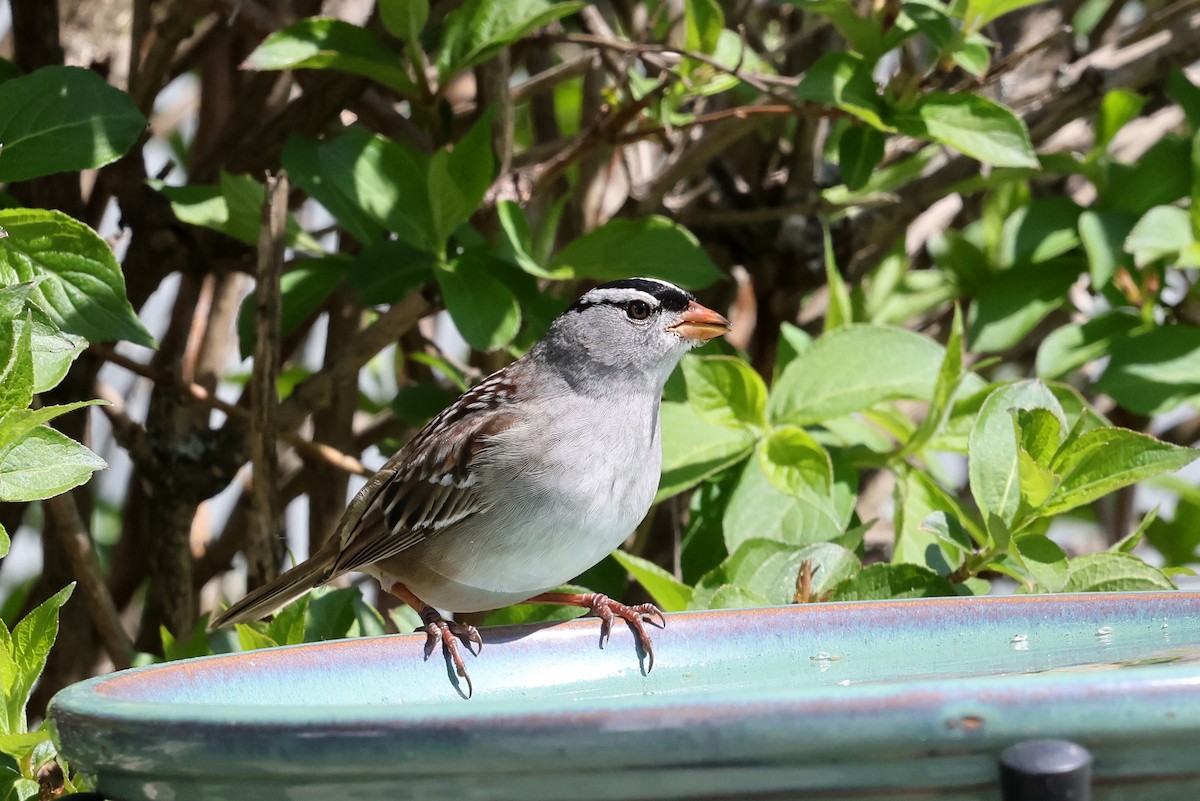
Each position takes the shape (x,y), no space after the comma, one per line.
(1046,770)
(82,797)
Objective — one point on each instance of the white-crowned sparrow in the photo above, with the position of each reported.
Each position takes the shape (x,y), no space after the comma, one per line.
(527,480)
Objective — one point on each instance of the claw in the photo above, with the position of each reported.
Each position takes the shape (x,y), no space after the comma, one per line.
(607,609)
(449,633)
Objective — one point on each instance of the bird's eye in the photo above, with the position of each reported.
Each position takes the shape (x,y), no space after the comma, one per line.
(638,310)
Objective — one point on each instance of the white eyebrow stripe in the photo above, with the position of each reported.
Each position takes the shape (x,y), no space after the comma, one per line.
(619,296)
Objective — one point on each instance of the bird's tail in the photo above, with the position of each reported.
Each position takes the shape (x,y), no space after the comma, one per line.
(272,595)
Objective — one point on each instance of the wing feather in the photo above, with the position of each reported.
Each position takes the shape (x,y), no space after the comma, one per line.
(429,485)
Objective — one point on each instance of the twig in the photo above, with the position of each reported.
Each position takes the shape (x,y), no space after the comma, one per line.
(768,84)
(316,390)
(263,548)
(77,542)
(315,450)
(804,583)
(549,78)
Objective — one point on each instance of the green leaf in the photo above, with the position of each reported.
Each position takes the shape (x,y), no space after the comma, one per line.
(792,342)
(1040,232)
(63,119)
(992,457)
(19,422)
(387,271)
(196,643)
(31,641)
(950,378)
(725,391)
(16,367)
(1153,372)
(459,178)
(1187,95)
(1178,539)
(851,369)
(5,542)
(233,207)
(1103,233)
(54,351)
(1041,434)
(980,12)
(841,309)
(694,450)
(483,308)
(323,43)
(949,530)
(13,298)
(863,33)
(1160,177)
(1134,538)
(1114,572)
(1117,108)
(652,246)
(668,592)
(843,81)
(1161,233)
(21,747)
(733,597)
(884,582)
(1076,344)
(703,21)
(303,290)
(771,570)
(973,125)
(1104,460)
(369,183)
(926,520)
(1014,301)
(45,463)
(860,149)
(478,28)
(326,171)
(1045,561)
(338,614)
(79,283)
(251,637)
(974,54)
(796,463)
(404,19)
(758,509)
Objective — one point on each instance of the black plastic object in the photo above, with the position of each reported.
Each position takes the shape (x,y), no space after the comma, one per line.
(1046,770)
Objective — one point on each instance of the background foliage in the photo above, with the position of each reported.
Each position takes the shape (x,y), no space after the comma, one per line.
(958,242)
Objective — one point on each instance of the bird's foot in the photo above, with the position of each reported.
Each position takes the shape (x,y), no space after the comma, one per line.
(449,633)
(605,608)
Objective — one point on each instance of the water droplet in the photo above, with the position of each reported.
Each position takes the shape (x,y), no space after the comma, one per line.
(1104,635)
(1020,642)
(824,660)
(1164,624)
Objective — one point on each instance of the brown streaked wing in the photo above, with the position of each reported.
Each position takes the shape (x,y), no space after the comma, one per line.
(432,487)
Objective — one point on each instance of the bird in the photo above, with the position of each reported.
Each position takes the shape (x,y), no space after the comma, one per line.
(528,479)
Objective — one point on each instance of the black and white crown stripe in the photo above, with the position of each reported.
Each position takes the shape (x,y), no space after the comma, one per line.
(659,294)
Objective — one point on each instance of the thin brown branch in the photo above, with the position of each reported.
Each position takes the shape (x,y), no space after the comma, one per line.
(547,79)
(315,391)
(85,564)
(768,84)
(197,393)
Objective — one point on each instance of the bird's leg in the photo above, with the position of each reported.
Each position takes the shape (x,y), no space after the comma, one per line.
(447,632)
(607,609)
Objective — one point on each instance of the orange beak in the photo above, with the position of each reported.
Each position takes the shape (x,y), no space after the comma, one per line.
(700,323)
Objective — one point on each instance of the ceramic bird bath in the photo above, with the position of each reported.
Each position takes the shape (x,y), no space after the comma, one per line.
(840,700)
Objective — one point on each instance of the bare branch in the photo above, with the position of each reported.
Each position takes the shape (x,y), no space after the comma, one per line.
(78,545)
